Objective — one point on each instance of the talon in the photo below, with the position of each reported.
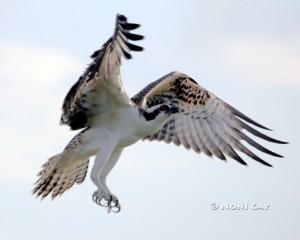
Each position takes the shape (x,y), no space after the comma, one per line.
(107,200)
(103,202)
(99,200)
(114,206)
(115,202)
(95,197)
(118,209)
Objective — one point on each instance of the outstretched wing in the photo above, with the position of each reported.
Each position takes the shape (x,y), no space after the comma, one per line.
(100,86)
(204,122)
(63,170)
(58,175)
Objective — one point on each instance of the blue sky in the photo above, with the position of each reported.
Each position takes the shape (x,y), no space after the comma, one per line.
(246,52)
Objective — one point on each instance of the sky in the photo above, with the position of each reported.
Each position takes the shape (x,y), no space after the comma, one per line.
(245,52)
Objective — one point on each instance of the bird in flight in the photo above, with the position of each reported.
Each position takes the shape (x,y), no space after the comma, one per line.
(173,109)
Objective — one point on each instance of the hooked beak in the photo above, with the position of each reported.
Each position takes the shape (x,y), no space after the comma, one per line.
(174,110)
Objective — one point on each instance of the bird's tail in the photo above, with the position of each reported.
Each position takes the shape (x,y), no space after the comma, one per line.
(59,174)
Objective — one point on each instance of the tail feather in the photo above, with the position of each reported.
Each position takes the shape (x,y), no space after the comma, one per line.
(58,175)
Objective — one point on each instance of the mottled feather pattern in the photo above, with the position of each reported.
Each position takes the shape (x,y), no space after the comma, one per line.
(139,97)
(61,171)
(184,112)
(188,91)
(75,141)
(78,104)
(204,122)
(55,180)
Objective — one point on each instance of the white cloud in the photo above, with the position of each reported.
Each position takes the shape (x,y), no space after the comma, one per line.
(34,64)
(32,88)
(275,62)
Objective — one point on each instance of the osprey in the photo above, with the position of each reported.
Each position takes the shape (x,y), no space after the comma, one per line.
(174,109)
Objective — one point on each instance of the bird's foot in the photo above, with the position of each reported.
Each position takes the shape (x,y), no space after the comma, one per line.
(107,200)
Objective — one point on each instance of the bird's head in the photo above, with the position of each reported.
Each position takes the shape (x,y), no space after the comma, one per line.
(159,113)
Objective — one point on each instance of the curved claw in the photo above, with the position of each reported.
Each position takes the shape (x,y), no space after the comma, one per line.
(115,205)
(95,197)
(101,201)
(111,203)
(116,209)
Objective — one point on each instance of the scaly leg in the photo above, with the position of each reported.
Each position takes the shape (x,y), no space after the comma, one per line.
(114,202)
(102,196)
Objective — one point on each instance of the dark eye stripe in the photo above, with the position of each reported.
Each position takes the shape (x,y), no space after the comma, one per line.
(164,108)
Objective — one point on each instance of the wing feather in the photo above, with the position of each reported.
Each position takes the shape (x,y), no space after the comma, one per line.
(188,129)
(101,82)
(58,176)
(179,126)
(215,140)
(201,138)
(227,143)
(195,136)
(204,122)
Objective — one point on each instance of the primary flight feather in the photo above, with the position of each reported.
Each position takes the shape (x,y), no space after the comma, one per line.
(174,109)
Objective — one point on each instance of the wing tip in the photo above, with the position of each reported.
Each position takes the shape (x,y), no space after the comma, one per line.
(123,33)
(122,20)
(282,142)
(266,164)
(121,17)
(244,117)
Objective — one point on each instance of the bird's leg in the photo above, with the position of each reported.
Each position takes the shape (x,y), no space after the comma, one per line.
(103,196)
(113,203)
